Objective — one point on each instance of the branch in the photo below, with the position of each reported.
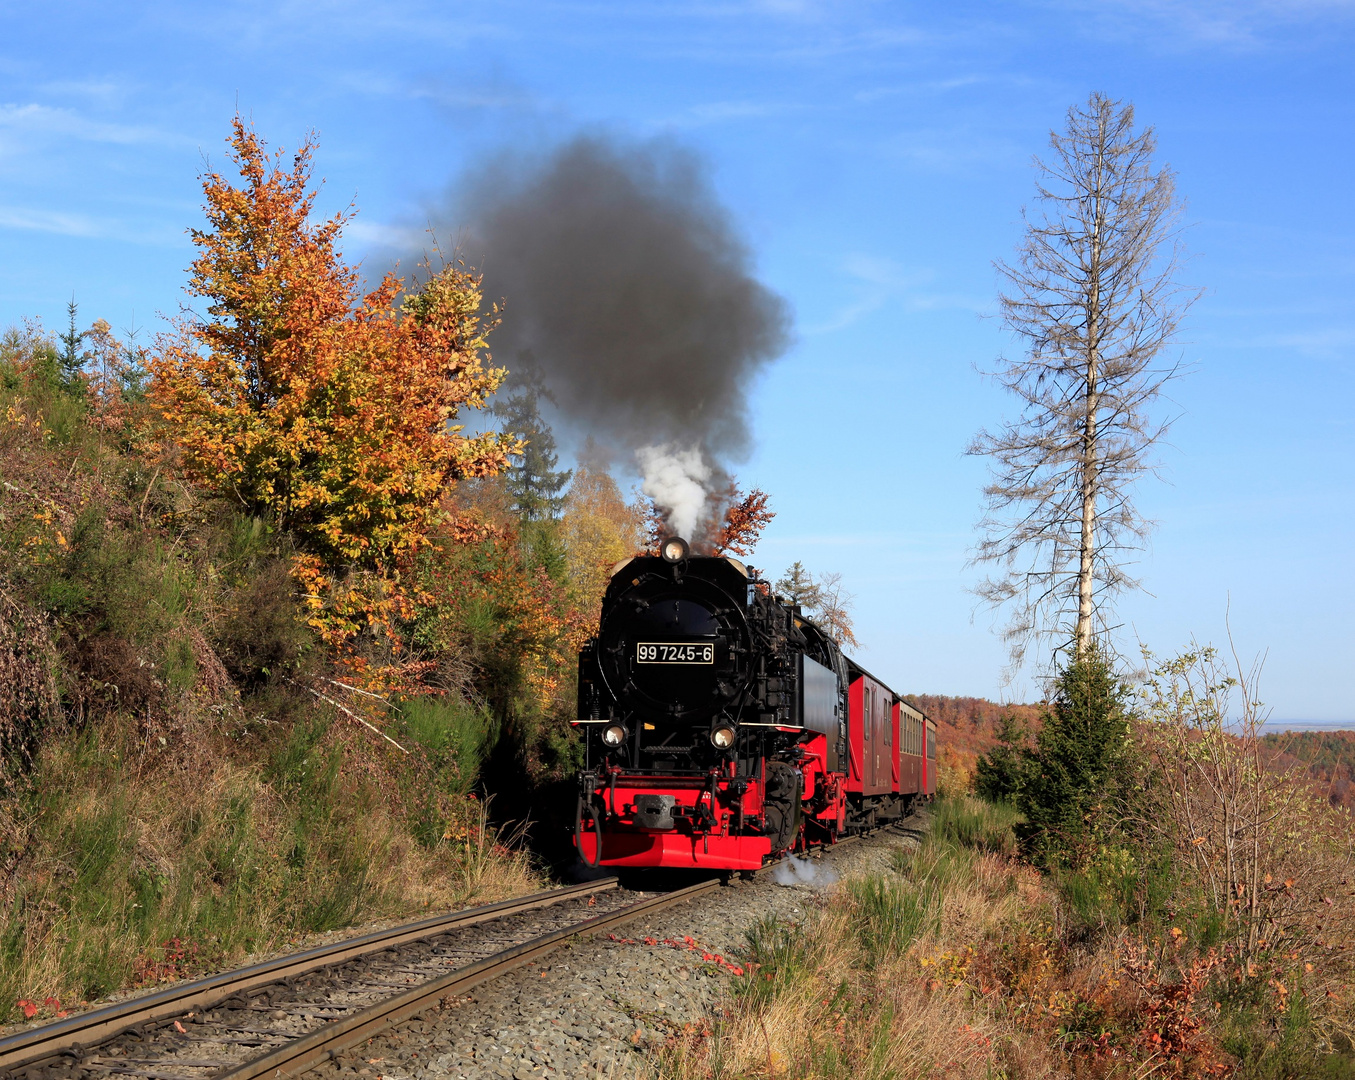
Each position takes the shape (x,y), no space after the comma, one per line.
(352,715)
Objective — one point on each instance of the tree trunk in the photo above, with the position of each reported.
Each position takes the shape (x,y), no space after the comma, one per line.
(1087,548)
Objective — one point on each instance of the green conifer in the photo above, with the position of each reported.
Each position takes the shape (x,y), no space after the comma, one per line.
(1000,774)
(1078,774)
(71,358)
(534,481)
(799,587)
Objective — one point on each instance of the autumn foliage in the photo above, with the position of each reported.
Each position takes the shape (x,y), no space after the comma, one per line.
(327,413)
(731,523)
(743,522)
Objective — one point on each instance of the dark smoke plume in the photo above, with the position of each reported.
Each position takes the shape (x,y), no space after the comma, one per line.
(628,287)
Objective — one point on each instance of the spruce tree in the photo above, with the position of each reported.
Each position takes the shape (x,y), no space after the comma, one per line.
(798,586)
(533,479)
(1078,774)
(1000,775)
(72,359)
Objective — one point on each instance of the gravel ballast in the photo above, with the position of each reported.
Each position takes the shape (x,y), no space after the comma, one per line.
(594,1007)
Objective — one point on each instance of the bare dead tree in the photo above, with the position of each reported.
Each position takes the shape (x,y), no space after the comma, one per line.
(826,601)
(834,611)
(1094,297)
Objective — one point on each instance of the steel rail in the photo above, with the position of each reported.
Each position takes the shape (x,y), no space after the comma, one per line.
(305,1053)
(75,1034)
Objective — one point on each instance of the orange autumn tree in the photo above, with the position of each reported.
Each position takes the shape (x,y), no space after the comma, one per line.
(732,524)
(324,411)
(743,522)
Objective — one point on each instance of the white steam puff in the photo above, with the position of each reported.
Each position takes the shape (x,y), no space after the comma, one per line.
(676,481)
(793,871)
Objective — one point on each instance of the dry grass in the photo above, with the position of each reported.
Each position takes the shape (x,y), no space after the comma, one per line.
(876,982)
(130,871)
(962,962)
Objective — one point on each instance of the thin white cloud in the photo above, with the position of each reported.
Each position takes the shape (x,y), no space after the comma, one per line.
(1318,342)
(378,234)
(877,282)
(63,223)
(1236,24)
(933,87)
(707,114)
(49,221)
(102,91)
(45,120)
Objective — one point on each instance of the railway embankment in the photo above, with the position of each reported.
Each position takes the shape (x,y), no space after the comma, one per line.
(613,1005)
(957,958)
(190,771)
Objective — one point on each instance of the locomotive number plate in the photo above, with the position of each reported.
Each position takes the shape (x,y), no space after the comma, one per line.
(675,653)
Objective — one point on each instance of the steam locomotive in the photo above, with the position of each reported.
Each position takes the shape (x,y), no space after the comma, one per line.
(723,727)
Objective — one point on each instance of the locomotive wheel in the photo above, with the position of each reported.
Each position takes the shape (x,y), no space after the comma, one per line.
(785,786)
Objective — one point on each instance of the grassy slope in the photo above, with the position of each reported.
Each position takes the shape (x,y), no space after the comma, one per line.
(171,795)
(960,961)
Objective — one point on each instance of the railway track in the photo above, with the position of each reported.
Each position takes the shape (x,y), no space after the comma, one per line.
(284,1016)
(287,1015)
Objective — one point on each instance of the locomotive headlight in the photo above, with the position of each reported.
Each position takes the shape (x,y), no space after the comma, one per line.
(674,549)
(613,734)
(722,738)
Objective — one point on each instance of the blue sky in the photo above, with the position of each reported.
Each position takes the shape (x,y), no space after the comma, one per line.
(876,156)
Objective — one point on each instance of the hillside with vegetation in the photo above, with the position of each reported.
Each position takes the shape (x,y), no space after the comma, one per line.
(969,727)
(266,612)
(1138,890)
(1326,757)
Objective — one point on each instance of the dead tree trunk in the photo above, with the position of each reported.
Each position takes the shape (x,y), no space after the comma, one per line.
(1094,299)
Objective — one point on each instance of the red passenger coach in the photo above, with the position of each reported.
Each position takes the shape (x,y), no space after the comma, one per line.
(888,768)
(723,727)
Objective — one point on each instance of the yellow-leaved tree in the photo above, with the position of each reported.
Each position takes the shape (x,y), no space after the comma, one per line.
(326,412)
(600,529)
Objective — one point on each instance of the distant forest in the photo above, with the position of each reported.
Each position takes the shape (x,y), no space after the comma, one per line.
(1328,756)
(967,727)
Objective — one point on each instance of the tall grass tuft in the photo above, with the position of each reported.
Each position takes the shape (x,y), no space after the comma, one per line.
(974,823)
(456,733)
(889,914)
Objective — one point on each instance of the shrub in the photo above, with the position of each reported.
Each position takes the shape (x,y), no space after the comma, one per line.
(1264,860)
(456,735)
